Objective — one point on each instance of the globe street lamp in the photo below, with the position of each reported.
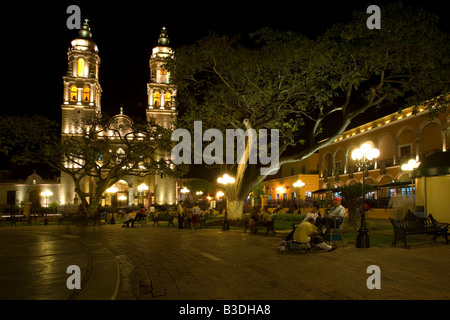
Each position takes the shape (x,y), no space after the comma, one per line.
(410,166)
(298,184)
(112,192)
(184,192)
(226,180)
(142,190)
(46,194)
(364,157)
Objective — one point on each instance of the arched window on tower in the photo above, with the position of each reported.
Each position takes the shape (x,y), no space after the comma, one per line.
(168,100)
(163,74)
(86,94)
(73,93)
(157,99)
(81,67)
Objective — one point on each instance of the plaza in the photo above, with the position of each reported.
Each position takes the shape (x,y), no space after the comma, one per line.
(167,263)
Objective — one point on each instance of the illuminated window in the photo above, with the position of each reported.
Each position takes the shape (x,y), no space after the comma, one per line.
(167,99)
(81,67)
(156,99)
(163,74)
(73,93)
(86,94)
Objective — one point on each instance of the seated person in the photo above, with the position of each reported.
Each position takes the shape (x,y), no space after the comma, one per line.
(313,214)
(141,214)
(334,217)
(266,216)
(306,232)
(127,219)
(253,219)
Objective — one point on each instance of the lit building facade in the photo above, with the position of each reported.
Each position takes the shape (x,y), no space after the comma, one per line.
(82,94)
(284,191)
(399,138)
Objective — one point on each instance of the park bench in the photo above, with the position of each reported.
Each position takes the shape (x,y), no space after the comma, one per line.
(269,225)
(412,224)
(164,216)
(203,218)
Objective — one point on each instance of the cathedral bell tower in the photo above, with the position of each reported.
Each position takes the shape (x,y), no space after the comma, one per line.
(162,109)
(161,94)
(81,95)
(82,90)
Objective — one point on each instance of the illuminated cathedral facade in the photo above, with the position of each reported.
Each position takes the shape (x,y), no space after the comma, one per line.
(82,99)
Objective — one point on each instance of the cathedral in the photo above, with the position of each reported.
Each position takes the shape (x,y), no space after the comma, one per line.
(82,99)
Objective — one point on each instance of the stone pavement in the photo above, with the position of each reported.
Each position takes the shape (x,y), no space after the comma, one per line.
(166,263)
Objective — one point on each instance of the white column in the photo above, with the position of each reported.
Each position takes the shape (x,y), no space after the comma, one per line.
(162,98)
(444,140)
(150,97)
(66,92)
(92,93)
(75,66)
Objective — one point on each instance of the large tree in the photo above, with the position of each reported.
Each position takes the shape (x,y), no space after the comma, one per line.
(104,149)
(310,89)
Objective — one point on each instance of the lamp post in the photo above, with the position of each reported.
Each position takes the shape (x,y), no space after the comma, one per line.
(364,157)
(142,190)
(226,180)
(112,192)
(46,194)
(410,166)
(298,184)
(185,191)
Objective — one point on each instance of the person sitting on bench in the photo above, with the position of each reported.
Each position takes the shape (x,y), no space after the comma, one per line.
(307,232)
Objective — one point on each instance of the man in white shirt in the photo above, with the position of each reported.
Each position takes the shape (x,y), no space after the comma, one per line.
(335,216)
(338,211)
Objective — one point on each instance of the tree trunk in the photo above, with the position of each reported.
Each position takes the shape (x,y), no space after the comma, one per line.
(352,213)
(235,208)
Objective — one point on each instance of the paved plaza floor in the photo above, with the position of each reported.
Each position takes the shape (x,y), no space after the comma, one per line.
(167,263)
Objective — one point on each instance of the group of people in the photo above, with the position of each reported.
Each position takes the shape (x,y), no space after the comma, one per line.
(130,217)
(314,226)
(259,214)
(185,219)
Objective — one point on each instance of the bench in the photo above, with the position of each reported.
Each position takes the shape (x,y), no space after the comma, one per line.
(164,216)
(269,225)
(412,224)
(203,219)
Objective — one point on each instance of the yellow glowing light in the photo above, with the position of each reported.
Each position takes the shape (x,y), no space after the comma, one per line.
(112,190)
(225,179)
(185,190)
(81,67)
(299,184)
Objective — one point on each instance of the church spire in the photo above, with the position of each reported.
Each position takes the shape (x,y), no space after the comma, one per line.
(85,31)
(163,39)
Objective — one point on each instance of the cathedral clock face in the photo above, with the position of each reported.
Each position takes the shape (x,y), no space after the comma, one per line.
(163,78)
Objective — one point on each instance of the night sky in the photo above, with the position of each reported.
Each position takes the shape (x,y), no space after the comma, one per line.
(35,41)
(126,31)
